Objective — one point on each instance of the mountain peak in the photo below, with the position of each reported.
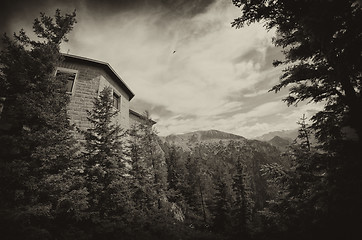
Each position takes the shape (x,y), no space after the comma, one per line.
(285,134)
(209,136)
(212,134)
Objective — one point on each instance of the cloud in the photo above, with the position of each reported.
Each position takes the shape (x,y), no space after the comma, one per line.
(184,62)
(188,89)
(247,122)
(24,11)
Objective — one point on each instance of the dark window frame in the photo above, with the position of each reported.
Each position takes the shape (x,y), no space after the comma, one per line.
(116,100)
(72,77)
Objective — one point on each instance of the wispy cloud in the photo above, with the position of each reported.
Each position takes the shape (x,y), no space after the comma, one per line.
(185,63)
(190,67)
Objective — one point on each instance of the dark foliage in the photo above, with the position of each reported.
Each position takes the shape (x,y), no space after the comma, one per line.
(322,43)
(104,170)
(322,47)
(132,186)
(39,169)
(223,189)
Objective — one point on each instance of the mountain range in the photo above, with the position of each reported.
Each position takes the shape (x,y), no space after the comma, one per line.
(285,134)
(218,154)
(280,143)
(186,140)
(278,139)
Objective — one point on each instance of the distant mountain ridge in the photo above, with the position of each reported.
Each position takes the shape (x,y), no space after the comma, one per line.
(209,136)
(279,139)
(285,134)
(280,143)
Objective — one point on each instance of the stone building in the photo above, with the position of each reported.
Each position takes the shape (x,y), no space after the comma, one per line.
(86,79)
(136,118)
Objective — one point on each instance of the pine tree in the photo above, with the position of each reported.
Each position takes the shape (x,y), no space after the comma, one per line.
(141,171)
(193,191)
(300,203)
(153,214)
(243,204)
(175,174)
(222,206)
(221,209)
(147,162)
(304,134)
(322,48)
(41,183)
(153,154)
(105,166)
(322,45)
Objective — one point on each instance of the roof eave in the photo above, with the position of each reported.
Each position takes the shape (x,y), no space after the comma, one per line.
(141,116)
(106,67)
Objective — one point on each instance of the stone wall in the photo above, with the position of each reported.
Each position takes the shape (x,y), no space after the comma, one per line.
(90,81)
(133,119)
(137,118)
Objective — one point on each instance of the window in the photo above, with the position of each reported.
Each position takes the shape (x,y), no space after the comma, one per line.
(116,100)
(67,75)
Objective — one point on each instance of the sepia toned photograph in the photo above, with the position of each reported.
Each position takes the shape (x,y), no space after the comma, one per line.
(180,119)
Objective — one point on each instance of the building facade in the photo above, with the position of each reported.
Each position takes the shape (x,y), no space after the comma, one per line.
(136,118)
(86,78)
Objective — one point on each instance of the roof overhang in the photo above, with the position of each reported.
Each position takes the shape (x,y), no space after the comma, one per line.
(141,116)
(103,65)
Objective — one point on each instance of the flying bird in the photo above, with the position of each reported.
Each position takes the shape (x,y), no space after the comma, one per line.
(174,51)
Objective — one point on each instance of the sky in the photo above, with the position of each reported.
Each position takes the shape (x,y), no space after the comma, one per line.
(185,63)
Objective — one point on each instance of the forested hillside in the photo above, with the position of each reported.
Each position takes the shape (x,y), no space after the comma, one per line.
(59,182)
(206,168)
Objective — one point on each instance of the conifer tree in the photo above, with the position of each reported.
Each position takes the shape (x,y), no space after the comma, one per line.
(153,154)
(148,173)
(222,206)
(243,204)
(322,45)
(105,166)
(300,204)
(304,134)
(141,173)
(175,174)
(41,183)
(193,191)
(147,161)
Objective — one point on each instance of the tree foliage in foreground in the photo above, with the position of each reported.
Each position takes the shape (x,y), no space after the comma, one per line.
(216,191)
(105,169)
(298,207)
(148,171)
(40,183)
(322,45)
